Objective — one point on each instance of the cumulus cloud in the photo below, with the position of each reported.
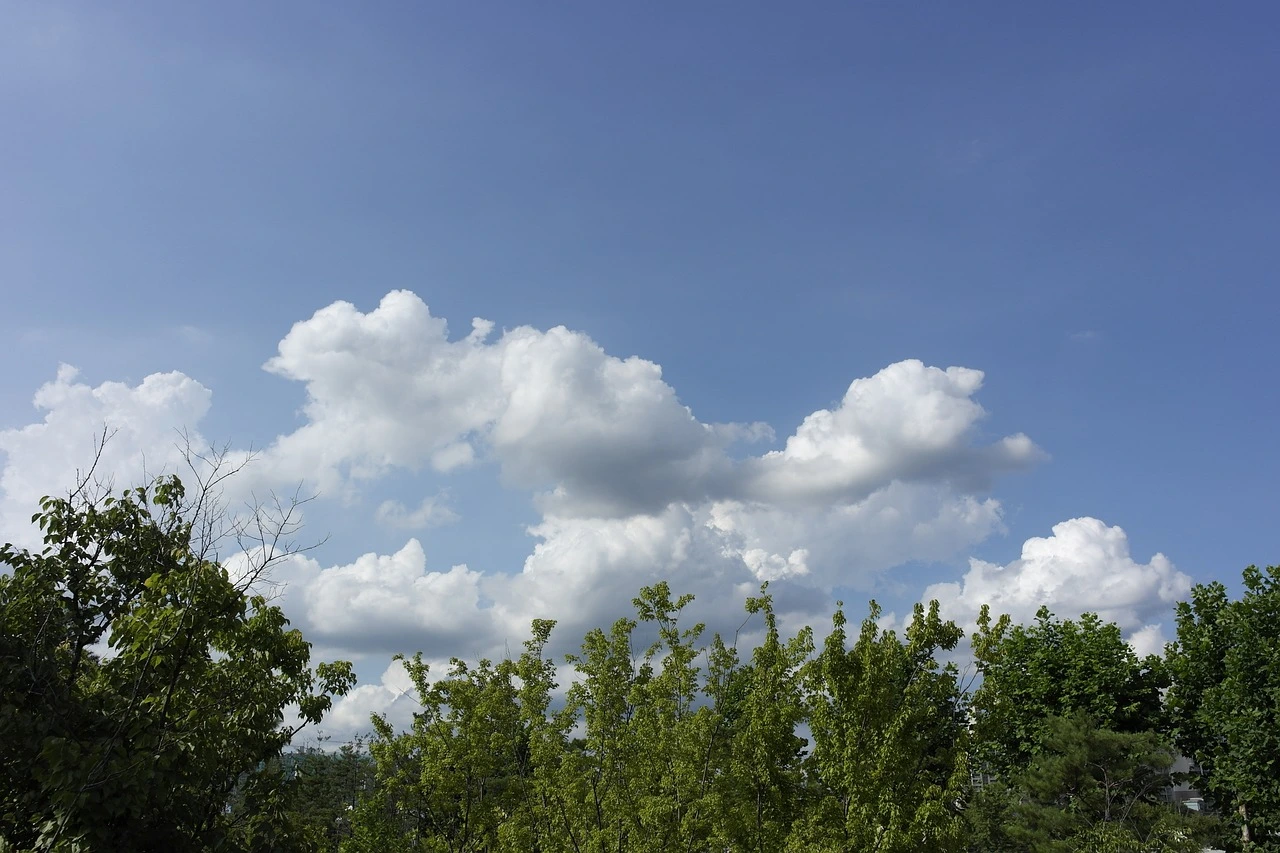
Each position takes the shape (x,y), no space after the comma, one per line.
(385,389)
(393,696)
(1084,566)
(596,435)
(632,487)
(144,422)
(909,422)
(385,602)
(583,571)
(846,544)
(590,423)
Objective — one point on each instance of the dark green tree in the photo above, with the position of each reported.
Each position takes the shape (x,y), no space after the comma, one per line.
(140,684)
(1088,788)
(309,792)
(1054,668)
(1224,703)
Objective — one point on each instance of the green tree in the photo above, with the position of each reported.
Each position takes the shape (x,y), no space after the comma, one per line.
(1088,788)
(310,792)
(599,783)
(887,763)
(451,782)
(1224,703)
(140,684)
(1055,668)
(640,776)
(759,780)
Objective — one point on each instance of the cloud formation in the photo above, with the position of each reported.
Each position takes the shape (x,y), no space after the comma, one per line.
(144,422)
(630,485)
(1084,566)
(596,435)
(907,423)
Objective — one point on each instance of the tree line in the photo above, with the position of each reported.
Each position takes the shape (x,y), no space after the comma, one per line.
(149,699)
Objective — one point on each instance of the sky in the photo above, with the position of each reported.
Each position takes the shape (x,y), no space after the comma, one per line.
(549,301)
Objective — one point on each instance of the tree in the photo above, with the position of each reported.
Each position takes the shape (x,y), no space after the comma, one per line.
(464,777)
(140,683)
(451,782)
(1224,703)
(888,729)
(309,792)
(640,778)
(1054,668)
(1088,788)
(759,786)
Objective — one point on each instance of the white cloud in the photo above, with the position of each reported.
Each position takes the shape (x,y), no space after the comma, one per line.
(1084,566)
(596,435)
(909,422)
(144,422)
(387,603)
(393,696)
(608,432)
(432,512)
(583,571)
(847,544)
(632,486)
(1149,640)
(385,390)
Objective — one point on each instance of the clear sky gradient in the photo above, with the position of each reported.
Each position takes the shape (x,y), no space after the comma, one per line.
(768,200)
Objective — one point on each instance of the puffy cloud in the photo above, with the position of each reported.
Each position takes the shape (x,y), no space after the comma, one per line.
(386,602)
(909,422)
(632,486)
(393,697)
(145,423)
(385,389)
(607,431)
(597,435)
(847,544)
(1084,566)
(1149,640)
(388,389)
(583,571)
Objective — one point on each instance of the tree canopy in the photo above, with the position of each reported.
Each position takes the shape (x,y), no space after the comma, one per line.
(139,683)
(1224,703)
(149,699)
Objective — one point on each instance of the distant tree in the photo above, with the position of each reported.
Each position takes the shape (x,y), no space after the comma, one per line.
(1224,703)
(312,791)
(140,684)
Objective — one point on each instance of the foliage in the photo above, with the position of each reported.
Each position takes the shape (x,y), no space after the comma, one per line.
(1224,703)
(656,751)
(139,685)
(305,799)
(1054,668)
(1089,788)
(760,790)
(143,693)
(887,764)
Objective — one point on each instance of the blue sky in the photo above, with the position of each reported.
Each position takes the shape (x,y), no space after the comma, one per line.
(768,203)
